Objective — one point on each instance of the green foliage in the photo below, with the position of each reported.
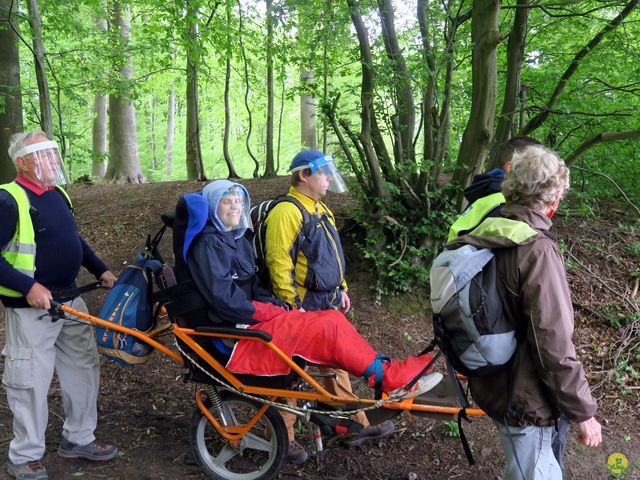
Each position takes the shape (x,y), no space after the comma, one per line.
(599,97)
(618,316)
(634,249)
(625,374)
(402,241)
(450,429)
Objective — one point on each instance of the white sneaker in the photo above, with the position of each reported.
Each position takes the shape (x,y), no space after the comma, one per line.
(426,383)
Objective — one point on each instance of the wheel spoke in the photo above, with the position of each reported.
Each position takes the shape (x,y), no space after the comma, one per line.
(254,442)
(229,416)
(226,454)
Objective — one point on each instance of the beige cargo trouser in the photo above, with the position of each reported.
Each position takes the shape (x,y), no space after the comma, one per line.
(36,348)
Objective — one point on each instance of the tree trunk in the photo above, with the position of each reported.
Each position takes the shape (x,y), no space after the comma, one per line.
(523,106)
(429,90)
(99,135)
(227,108)
(515,53)
(152,121)
(269,170)
(308,134)
(39,59)
(195,167)
(366,98)
(444,117)
(404,118)
(247,140)
(11,110)
(478,132)
(171,120)
(124,163)
(99,127)
(283,78)
(327,32)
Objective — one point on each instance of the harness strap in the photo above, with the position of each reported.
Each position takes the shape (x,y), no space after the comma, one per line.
(67,294)
(462,413)
(376,367)
(429,348)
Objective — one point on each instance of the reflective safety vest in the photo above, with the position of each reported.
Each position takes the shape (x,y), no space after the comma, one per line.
(20,252)
(474,214)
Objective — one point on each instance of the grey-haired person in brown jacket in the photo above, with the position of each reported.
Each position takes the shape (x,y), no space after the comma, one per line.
(546,381)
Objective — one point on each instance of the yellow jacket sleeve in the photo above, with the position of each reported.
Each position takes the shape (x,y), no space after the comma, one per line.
(283,226)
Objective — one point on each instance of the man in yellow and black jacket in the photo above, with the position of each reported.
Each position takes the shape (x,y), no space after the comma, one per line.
(306,266)
(305,261)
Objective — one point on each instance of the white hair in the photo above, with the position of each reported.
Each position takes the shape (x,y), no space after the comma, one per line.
(20,140)
(537,177)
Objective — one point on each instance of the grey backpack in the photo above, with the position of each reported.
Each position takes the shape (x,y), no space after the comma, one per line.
(468,321)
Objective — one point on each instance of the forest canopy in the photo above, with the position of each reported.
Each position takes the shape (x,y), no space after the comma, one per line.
(412,97)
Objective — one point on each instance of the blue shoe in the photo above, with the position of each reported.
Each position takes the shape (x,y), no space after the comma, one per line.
(33,470)
(94,451)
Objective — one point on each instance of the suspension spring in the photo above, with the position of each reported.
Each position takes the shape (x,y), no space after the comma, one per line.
(216,402)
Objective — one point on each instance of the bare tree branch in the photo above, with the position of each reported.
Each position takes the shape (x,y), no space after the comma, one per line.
(603,175)
(623,88)
(599,138)
(616,113)
(539,119)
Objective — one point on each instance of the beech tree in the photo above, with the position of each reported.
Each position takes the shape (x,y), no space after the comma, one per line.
(195,167)
(39,56)
(99,127)
(10,94)
(412,104)
(124,163)
(270,169)
(228,53)
(478,133)
(171,121)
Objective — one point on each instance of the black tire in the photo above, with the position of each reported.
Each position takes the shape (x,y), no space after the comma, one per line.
(260,453)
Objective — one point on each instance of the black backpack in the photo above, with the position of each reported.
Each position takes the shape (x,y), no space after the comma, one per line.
(257,237)
(468,322)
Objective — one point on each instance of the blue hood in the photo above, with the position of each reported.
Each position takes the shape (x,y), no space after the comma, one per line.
(212,194)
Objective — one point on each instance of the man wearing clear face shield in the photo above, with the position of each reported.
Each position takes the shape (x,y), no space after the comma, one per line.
(41,255)
(306,265)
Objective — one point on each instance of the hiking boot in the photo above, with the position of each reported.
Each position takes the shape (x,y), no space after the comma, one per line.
(94,451)
(372,432)
(33,470)
(296,454)
(422,386)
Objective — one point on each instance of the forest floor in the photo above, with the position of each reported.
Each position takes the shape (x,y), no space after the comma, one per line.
(146,410)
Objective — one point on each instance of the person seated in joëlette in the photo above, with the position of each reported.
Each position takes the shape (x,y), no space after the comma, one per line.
(221,263)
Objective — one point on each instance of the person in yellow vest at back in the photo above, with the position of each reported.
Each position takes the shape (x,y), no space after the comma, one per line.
(306,266)
(485,192)
(41,255)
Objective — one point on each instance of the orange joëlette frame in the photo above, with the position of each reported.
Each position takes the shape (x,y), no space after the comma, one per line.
(235,433)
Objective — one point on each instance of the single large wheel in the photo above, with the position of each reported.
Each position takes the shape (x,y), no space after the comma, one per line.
(258,456)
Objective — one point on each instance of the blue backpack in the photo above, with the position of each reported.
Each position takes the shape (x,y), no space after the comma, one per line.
(128,304)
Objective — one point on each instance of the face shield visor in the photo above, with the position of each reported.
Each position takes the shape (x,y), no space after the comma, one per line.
(326,167)
(44,163)
(233,211)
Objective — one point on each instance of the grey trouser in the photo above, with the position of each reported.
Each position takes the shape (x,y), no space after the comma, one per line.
(533,448)
(34,349)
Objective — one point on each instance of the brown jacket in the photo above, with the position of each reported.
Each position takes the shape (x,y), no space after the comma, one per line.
(547,379)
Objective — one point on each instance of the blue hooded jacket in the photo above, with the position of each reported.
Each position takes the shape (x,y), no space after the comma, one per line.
(221,262)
